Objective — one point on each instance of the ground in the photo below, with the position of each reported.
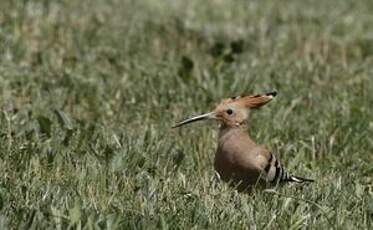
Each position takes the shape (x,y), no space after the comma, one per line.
(89,91)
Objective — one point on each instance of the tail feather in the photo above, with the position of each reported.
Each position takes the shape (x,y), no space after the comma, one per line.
(298,179)
(284,176)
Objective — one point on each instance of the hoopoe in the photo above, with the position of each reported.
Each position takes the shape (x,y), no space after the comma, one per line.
(238,158)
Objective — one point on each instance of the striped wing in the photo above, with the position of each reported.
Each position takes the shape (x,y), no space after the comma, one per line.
(275,173)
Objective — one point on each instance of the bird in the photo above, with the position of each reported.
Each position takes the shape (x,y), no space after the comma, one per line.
(238,159)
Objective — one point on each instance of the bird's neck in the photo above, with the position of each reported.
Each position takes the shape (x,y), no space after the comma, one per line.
(226,130)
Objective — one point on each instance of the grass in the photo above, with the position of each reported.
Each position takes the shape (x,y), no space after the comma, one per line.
(90,89)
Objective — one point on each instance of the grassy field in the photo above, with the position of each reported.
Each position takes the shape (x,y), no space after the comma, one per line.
(90,89)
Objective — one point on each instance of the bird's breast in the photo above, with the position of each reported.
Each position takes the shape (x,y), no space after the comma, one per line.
(234,162)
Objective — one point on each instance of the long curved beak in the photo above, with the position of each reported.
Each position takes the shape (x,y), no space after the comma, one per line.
(205,116)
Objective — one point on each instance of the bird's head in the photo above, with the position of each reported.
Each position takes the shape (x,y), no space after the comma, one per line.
(233,111)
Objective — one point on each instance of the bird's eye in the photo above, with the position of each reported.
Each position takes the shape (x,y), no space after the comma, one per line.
(229,111)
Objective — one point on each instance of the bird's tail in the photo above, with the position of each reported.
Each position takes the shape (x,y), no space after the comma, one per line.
(298,179)
(284,176)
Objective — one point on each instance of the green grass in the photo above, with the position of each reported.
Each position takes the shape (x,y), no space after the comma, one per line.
(90,89)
